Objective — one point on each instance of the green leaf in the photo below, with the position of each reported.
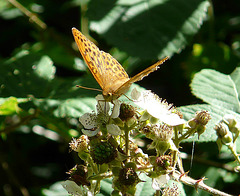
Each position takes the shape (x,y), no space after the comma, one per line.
(106,187)
(9,107)
(218,89)
(26,74)
(147,29)
(144,188)
(55,190)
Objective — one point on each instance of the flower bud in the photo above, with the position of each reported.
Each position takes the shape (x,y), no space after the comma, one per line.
(126,112)
(128,176)
(230,120)
(79,145)
(79,174)
(164,162)
(223,133)
(201,118)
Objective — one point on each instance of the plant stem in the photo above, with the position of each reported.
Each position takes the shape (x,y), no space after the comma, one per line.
(197,184)
(231,147)
(32,17)
(127,140)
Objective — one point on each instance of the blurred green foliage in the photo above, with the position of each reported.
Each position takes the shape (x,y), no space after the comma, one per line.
(40,68)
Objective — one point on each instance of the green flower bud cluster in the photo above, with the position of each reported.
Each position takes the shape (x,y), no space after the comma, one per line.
(103,152)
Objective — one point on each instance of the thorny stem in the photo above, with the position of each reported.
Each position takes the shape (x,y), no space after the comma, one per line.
(197,184)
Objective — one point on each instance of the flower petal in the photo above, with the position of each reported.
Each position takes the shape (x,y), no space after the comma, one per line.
(156,107)
(113,129)
(90,133)
(102,105)
(160,182)
(72,188)
(88,120)
(116,108)
(172,119)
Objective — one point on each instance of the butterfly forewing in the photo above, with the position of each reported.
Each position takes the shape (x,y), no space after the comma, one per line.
(106,70)
(109,74)
(92,56)
(140,76)
(116,76)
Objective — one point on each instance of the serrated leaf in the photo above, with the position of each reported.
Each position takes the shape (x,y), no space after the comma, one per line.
(218,89)
(151,29)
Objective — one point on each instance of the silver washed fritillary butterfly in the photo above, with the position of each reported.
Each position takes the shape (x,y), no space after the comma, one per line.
(108,72)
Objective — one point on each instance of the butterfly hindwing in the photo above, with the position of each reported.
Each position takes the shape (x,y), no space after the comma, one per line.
(141,75)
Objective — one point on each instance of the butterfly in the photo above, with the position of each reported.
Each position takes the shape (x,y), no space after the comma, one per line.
(107,71)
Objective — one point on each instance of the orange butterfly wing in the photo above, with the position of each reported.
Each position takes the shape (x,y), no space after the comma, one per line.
(108,72)
(140,76)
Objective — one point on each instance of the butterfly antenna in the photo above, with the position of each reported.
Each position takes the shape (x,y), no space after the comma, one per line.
(128,98)
(94,89)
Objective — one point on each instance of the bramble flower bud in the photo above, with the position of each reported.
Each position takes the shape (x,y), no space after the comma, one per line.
(79,145)
(233,125)
(223,133)
(202,117)
(116,193)
(79,175)
(164,162)
(161,136)
(103,152)
(126,112)
(230,120)
(128,176)
(199,121)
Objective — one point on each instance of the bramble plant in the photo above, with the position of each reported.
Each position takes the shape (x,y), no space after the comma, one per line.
(109,150)
(127,140)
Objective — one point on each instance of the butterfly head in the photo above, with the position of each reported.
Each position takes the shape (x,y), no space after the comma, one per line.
(109,97)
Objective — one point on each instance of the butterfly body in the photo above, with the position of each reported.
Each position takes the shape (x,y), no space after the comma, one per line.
(107,71)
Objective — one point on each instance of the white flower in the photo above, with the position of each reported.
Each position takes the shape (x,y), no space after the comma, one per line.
(93,121)
(156,107)
(73,189)
(160,182)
